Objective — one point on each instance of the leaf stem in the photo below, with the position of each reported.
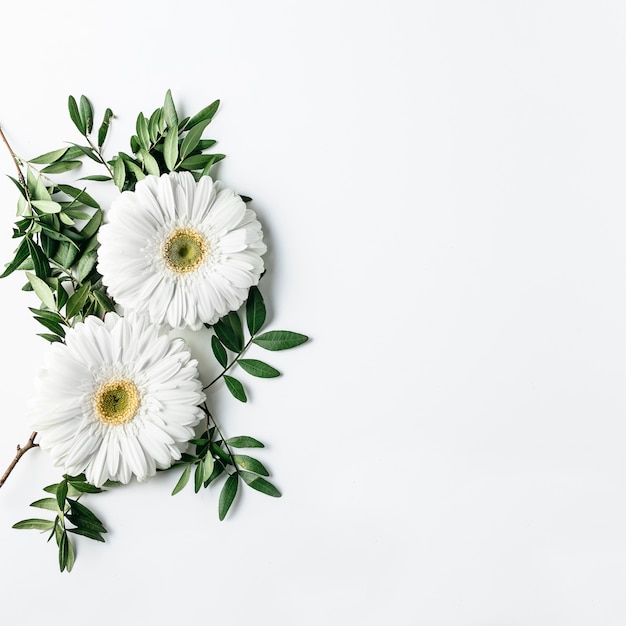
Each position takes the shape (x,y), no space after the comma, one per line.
(233,362)
(21,451)
(210,419)
(20,176)
(99,154)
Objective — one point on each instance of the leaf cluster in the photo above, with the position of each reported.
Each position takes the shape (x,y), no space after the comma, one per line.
(164,143)
(72,517)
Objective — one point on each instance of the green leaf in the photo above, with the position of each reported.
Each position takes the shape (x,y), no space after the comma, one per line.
(170,148)
(60,167)
(61,494)
(279,340)
(206,115)
(257,368)
(150,164)
(244,442)
(85,516)
(208,465)
(250,464)
(51,488)
(34,524)
(142,131)
(104,301)
(50,325)
(79,194)
(119,173)
(65,254)
(260,484)
(71,556)
(78,151)
(183,480)
(198,161)
(86,113)
(91,227)
(82,486)
(97,177)
(86,532)
(47,206)
(104,128)
(42,290)
(63,551)
(198,476)
(77,300)
(49,157)
(221,453)
(230,331)
(255,311)
(46,503)
(227,495)
(214,159)
(219,351)
(75,115)
(192,138)
(85,264)
(236,388)
(169,111)
(21,254)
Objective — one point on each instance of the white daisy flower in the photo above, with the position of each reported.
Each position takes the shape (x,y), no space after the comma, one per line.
(118,398)
(180,251)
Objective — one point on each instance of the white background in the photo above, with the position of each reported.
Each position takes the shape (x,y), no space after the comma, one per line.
(442,188)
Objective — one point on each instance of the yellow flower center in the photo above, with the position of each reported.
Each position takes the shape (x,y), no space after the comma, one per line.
(185,250)
(116,402)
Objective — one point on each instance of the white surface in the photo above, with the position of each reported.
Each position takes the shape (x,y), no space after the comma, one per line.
(442,186)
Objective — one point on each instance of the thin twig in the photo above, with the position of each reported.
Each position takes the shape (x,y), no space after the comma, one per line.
(20,176)
(21,451)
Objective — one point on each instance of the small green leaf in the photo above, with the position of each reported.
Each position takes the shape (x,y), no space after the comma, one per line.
(227,495)
(208,465)
(47,206)
(260,484)
(61,494)
(91,227)
(75,115)
(49,157)
(104,128)
(65,254)
(42,290)
(71,556)
(206,115)
(85,264)
(46,503)
(119,173)
(86,532)
(170,148)
(219,351)
(39,259)
(250,464)
(60,166)
(97,177)
(51,338)
(150,164)
(21,254)
(230,331)
(34,524)
(76,302)
(279,340)
(183,480)
(86,114)
(169,111)
(85,517)
(80,195)
(192,138)
(244,442)
(254,367)
(236,388)
(198,161)
(198,476)
(82,486)
(142,131)
(255,311)
(63,551)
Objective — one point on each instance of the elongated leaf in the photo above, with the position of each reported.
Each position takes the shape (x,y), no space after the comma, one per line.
(150,164)
(142,131)
(250,464)
(198,477)
(169,111)
(230,331)
(227,495)
(182,481)
(192,138)
(257,368)
(40,260)
(42,290)
(71,555)
(255,311)
(61,494)
(85,264)
(91,227)
(205,115)
(46,503)
(170,148)
(280,340)
(97,177)
(49,157)
(79,194)
(65,254)
(86,113)
(236,388)
(208,465)
(51,338)
(47,206)
(86,532)
(60,166)
(221,453)
(75,115)
(119,173)
(219,351)
(198,161)
(50,325)
(82,486)
(21,254)
(244,442)
(260,484)
(77,300)
(85,516)
(104,127)
(34,524)
(63,551)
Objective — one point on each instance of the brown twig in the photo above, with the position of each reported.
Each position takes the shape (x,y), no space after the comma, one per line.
(21,451)
(20,176)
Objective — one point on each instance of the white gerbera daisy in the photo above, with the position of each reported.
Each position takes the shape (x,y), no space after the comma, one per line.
(180,251)
(118,398)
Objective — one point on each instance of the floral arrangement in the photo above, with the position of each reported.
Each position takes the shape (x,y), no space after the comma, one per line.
(119,395)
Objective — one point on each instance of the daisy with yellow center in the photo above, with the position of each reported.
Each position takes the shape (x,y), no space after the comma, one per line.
(119,398)
(181,252)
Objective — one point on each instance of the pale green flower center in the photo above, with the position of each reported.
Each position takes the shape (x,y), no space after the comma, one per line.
(185,250)
(116,402)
